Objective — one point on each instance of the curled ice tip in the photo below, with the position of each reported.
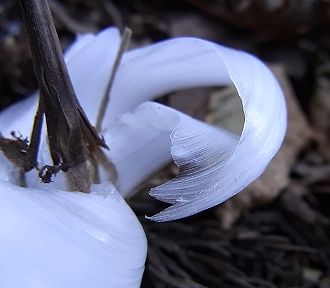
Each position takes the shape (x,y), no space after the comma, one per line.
(214,164)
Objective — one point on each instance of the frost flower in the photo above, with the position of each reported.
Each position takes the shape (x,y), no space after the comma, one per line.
(52,238)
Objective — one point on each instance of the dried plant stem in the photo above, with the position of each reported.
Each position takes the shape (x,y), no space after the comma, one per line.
(106,97)
(71,137)
(99,157)
(21,179)
(36,133)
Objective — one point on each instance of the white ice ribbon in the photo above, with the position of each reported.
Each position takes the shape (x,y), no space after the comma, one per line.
(51,238)
(214,164)
(212,167)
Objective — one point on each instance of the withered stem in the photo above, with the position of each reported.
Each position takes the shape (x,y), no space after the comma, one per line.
(21,179)
(126,37)
(70,134)
(36,133)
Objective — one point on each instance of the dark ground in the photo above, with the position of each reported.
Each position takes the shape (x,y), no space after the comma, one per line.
(285,243)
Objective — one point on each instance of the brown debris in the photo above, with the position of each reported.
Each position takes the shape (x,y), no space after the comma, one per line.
(269,19)
(320,108)
(193,102)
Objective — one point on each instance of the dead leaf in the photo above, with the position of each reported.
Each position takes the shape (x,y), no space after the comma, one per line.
(320,109)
